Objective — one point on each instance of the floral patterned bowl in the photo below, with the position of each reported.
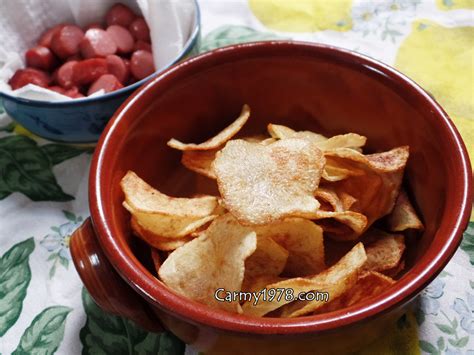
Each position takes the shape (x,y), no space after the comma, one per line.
(305,86)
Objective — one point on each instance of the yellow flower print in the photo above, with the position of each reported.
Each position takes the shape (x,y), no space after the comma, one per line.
(441,60)
(303,15)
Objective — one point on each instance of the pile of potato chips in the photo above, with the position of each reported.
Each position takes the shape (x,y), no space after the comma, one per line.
(281,195)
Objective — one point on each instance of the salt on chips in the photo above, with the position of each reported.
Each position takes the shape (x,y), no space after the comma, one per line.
(216,259)
(263,184)
(219,139)
(336,280)
(200,161)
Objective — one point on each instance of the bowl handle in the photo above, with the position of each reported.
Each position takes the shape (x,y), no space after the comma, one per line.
(107,288)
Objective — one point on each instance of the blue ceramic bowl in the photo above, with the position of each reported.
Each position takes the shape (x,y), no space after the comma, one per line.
(82,120)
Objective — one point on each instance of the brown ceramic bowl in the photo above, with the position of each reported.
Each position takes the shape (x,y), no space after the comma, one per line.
(305,86)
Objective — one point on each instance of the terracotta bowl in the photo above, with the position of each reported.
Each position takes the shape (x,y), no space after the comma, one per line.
(305,86)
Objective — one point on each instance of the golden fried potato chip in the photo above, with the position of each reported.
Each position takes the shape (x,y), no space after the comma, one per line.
(329,200)
(169,226)
(262,184)
(143,198)
(283,132)
(369,284)
(376,180)
(334,173)
(347,201)
(218,140)
(269,259)
(403,215)
(336,281)
(385,252)
(260,282)
(396,271)
(343,226)
(349,140)
(280,132)
(158,241)
(162,215)
(200,161)
(215,260)
(303,240)
(268,141)
(257,138)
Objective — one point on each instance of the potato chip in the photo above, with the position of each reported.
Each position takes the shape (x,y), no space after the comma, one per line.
(215,260)
(303,240)
(262,184)
(168,226)
(329,200)
(200,161)
(349,140)
(385,252)
(396,271)
(334,173)
(158,241)
(256,138)
(268,141)
(269,259)
(280,131)
(347,201)
(219,139)
(376,182)
(343,226)
(403,215)
(143,198)
(336,280)
(260,282)
(369,284)
(162,215)
(283,132)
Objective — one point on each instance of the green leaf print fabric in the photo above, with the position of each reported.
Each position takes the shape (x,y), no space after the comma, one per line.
(15,277)
(45,332)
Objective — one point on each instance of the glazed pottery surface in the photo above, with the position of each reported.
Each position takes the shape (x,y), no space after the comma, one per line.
(304,86)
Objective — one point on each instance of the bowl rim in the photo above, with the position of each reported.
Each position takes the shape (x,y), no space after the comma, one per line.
(156,293)
(188,46)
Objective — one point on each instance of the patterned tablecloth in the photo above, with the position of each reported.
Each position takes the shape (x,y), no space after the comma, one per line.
(43,185)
